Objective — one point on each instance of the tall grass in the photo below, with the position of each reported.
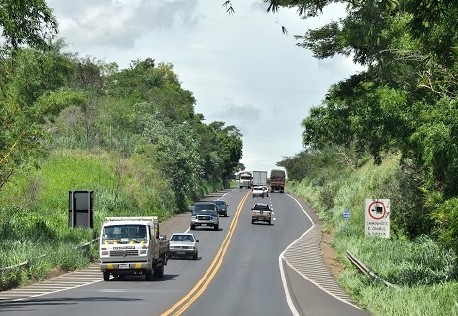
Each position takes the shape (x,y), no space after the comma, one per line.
(34,209)
(425,272)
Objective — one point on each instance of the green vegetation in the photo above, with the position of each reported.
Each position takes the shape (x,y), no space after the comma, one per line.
(389,131)
(69,123)
(425,271)
(132,136)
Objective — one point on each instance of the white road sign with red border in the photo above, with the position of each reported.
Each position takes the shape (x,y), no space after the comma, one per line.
(377,217)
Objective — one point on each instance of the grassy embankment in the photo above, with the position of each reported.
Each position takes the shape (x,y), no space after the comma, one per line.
(424,272)
(34,210)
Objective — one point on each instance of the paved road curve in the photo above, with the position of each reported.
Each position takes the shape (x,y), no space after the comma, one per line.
(275,269)
(243,269)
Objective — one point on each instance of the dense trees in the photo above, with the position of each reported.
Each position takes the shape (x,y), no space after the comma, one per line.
(87,104)
(405,100)
(28,23)
(140,110)
(24,78)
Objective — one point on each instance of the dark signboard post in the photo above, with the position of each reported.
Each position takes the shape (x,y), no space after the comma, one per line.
(81,209)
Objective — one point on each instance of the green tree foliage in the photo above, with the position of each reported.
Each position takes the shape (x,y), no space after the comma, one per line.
(143,110)
(27,22)
(227,145)
(405,99)
(157,85)
(319,166)
(31,95)
(177,151)
(137,124)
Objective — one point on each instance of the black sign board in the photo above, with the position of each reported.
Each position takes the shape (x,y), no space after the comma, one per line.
(81,209)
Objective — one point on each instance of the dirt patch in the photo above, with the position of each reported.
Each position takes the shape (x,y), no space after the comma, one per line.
(329,254)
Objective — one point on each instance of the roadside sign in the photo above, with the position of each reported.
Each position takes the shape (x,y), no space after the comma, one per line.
(377,217)
(81,209)
(346,213)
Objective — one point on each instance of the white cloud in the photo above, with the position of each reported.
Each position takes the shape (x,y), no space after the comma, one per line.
(119,23)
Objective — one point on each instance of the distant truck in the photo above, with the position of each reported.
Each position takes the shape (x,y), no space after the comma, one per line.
(132,246)
(259,178)
(245,179)
(277,180)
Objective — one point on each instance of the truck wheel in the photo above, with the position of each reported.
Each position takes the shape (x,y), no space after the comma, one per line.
(196,255)
(270,222)
(193,227)
(216,227)
(252,221)
(159,273)
(106,276)
(149,275)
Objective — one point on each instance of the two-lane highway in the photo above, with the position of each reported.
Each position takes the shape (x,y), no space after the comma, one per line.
(249,282)
(243,269)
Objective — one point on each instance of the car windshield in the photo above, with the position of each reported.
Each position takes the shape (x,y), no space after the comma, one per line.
(201,207)
(124,233)
(261,207)
(204,212)
(220,203)
(182,238)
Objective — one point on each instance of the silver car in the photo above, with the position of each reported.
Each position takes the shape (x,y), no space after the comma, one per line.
(261,212)
(183,245)
(258,191)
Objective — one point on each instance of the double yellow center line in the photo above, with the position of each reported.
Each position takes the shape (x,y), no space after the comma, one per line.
(182,305)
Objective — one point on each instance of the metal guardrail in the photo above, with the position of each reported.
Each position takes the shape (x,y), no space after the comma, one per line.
(364,269)
(86,244)
(27,262)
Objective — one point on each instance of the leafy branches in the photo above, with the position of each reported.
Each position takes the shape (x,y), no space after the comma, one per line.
(34,74)
(229,8)
(27,23)
(405,100)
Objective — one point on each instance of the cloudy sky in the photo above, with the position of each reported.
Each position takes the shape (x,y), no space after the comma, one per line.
(241,68)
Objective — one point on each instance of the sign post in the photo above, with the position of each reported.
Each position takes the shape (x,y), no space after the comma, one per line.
(80,209)
(377,217)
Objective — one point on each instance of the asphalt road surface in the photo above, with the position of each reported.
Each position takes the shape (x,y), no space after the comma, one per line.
(242,269)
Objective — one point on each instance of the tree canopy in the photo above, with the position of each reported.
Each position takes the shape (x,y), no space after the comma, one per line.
(53,100)
(405,99)
(29,23)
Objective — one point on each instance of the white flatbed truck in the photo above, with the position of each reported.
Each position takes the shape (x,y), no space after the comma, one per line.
(132,246)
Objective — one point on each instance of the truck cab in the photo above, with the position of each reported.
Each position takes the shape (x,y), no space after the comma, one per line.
(245,180)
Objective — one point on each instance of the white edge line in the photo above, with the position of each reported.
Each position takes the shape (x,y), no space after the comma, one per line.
(282,272)
(52,292)
(291,305)
(319,286)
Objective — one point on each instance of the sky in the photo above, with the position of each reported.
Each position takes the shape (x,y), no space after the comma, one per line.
(241,68)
